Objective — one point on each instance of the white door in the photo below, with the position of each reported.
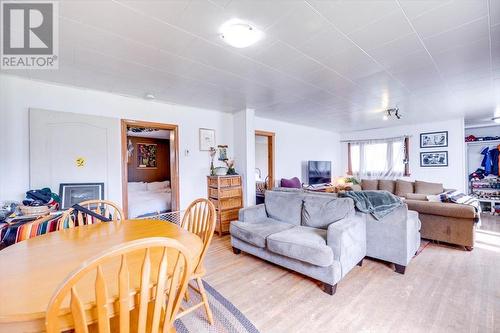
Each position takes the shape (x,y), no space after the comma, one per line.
(74,148)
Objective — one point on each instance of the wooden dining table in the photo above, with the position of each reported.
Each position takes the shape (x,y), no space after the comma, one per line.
(32,270)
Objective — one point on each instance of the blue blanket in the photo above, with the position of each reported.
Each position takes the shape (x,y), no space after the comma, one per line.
(377,203)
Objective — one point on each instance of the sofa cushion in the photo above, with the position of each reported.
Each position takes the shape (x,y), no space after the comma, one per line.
(428,188)
(255,233)
(442,209)
(302,243)
(320,211)
(387,185)
(403,187)
(369,184)
(416,196)
(284,206)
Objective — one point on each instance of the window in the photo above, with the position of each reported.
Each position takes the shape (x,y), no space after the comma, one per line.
(386,158)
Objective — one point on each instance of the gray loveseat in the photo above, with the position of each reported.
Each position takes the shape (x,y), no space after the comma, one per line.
(322,236)
(318,236)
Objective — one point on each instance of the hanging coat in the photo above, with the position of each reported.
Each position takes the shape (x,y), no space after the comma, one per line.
(494,160)
(486,163)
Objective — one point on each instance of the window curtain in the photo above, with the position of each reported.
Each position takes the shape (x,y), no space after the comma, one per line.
(378,159)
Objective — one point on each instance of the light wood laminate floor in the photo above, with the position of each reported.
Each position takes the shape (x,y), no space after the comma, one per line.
(445,289)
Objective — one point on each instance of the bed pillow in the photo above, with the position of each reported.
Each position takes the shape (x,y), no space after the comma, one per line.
(155,186)
(137,186)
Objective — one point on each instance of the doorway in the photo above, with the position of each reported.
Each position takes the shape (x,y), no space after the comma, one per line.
(264,163)
(150,168)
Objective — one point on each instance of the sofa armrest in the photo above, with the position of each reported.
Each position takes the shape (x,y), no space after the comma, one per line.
(253,213)
(347,239)
(442,209)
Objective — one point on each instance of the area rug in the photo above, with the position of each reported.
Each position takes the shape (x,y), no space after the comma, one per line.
(227,318)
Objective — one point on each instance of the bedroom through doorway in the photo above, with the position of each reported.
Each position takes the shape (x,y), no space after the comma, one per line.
(149,168)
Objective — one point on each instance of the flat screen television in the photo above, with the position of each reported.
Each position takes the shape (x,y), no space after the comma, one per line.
(319,172)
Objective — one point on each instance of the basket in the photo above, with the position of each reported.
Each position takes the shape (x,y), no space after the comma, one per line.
(34,210)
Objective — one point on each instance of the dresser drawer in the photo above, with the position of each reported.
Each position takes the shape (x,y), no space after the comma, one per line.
(229,203)
(230,181)
(225,192)
(228,215)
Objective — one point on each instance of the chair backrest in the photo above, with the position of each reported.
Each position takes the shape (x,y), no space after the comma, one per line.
(199,218)
(102,207)
(156,300)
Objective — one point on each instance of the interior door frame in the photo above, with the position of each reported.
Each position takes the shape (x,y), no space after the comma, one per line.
(270,154)
(174,159)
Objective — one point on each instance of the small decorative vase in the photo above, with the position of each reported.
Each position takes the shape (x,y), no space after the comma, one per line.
(212,169)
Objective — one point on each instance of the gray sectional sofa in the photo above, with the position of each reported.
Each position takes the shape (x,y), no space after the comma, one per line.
(323,236)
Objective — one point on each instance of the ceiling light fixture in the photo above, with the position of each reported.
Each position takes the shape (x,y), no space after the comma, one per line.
(391,112)
(239,34)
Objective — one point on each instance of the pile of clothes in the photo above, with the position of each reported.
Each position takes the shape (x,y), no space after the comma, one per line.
(491,163)
(42,197)
(472,138)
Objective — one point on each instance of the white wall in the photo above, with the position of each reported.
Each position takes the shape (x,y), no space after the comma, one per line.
(297,144)
(452,176)
(244,152)
(17,95)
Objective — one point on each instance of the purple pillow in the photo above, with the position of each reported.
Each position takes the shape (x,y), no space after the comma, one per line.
(291,183)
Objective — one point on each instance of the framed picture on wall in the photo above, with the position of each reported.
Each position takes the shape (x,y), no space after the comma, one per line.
(146,155)
(207,139)
(434,159)
(434,139)
(73,193)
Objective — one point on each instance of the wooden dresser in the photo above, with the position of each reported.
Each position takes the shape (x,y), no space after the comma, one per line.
(226,193)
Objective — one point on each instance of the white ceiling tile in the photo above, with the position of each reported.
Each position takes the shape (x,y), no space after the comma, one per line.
(302,67)
(414,8)
(409,61)
(329,80)
(298,26)
(352,63)
(495,12)
(204,19)
(419,78)
(278,55)
(465,58)
(449,16)
(464,34)
(261,13)
(388,28)
(352,15)
(168,11)
(325,42)
(116,19)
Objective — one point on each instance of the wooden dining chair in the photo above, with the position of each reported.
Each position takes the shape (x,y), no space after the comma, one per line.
(155,302)
(105,208)
(199,219)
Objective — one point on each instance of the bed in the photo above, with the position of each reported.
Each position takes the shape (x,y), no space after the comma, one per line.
(148,198)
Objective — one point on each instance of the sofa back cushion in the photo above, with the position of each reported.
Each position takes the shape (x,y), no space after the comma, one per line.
(284,206)
(369,184)
(403,187)
(320,211)
(387,185)
(428,188)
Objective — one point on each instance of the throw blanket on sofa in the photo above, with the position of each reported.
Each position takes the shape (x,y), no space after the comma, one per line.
(377,203)
(460,198)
